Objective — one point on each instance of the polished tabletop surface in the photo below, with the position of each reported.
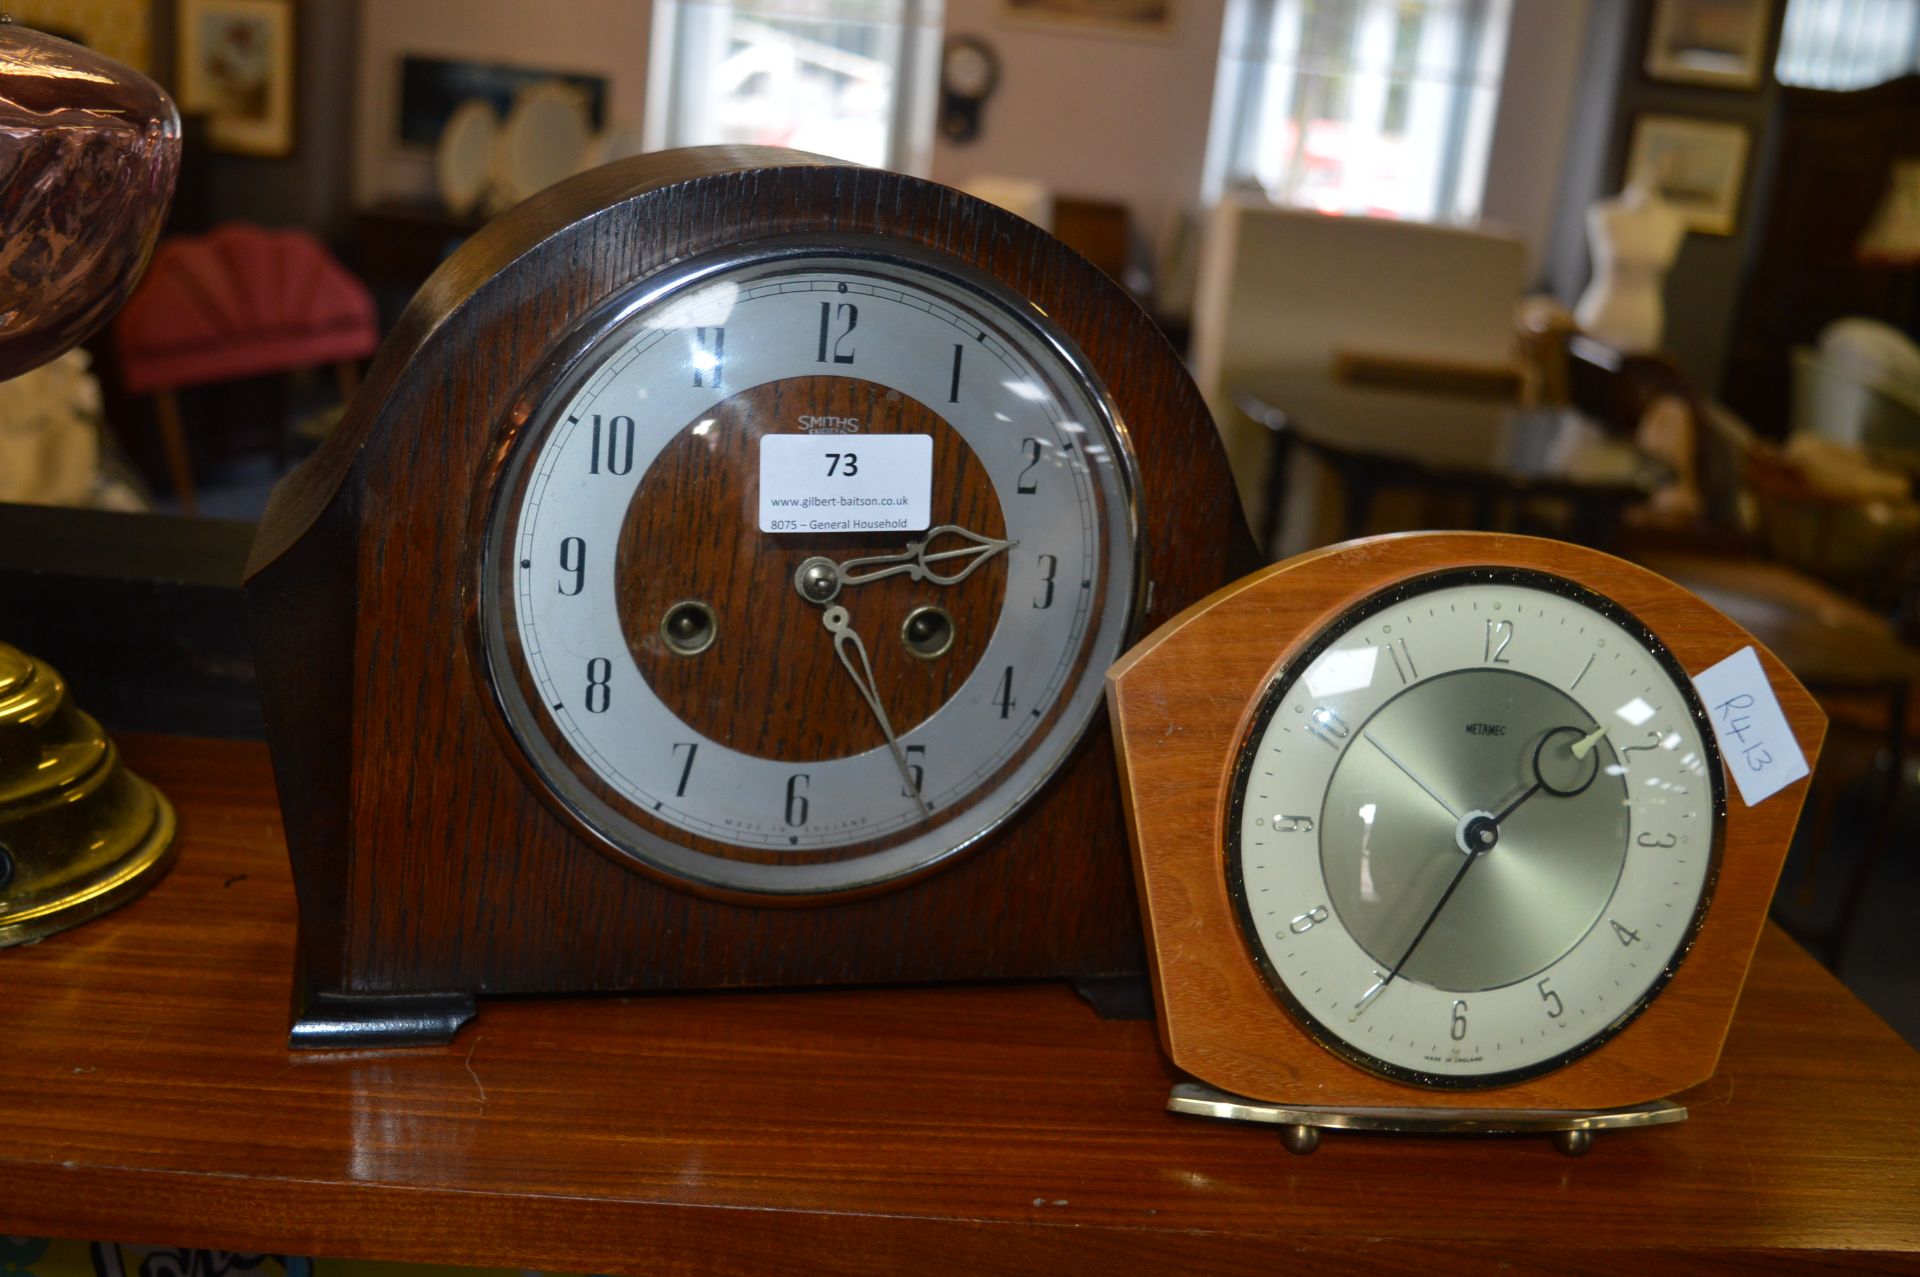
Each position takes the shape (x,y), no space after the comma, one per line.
(147,1095)
(1451,436)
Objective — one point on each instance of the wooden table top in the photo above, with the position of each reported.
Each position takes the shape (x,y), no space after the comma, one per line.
(147,1095)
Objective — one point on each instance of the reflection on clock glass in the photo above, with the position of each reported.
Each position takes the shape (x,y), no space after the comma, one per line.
(807,567)
(1475,827)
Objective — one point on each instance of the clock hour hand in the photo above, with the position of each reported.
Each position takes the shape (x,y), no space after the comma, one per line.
(1550,771)
(1586,743)
(918,559)
(847,645)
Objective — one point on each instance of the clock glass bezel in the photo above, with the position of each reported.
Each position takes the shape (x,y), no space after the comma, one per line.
(579,354)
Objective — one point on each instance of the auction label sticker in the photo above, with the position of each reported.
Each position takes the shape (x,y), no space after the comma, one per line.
(1754,736)
(846,483)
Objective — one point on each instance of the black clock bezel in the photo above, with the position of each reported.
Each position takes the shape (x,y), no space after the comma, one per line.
(1275,694)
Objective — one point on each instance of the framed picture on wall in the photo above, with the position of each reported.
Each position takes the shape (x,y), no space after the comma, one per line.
(1719,42)
(236,68)
(1698,166)
(121,29)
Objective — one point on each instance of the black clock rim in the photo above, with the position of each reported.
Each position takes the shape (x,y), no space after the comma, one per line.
(568,364)
(1282,681)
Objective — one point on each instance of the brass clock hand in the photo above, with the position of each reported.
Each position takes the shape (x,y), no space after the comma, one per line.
(1587,742)
(1540,780)
(841,627)
(819,579)
(915,559)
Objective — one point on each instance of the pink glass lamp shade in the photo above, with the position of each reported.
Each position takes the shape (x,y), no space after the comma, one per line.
(89,150)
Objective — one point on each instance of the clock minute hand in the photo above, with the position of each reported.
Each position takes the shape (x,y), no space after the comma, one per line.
(1410,776)
(1367,1000)
(841,627)
(916,562)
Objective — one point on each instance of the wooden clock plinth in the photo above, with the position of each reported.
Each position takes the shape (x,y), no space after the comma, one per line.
(1183,703)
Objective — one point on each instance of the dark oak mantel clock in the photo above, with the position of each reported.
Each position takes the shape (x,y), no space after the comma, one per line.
(1454,832)
(712,586)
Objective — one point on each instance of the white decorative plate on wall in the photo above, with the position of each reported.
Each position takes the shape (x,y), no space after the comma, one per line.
(544,139)
(463,160)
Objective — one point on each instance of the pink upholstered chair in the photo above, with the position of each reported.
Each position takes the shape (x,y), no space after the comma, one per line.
(240,301)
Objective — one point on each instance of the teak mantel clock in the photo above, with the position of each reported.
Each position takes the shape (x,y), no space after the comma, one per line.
(711,586)
(1432,832)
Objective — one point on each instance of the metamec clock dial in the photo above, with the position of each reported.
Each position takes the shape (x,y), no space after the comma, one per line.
(833,695)
(1474,827)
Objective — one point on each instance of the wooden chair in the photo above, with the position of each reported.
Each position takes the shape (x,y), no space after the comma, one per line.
(1849,656)
(240,301)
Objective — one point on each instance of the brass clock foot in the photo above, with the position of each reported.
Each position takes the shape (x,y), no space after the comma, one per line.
(1301,1125)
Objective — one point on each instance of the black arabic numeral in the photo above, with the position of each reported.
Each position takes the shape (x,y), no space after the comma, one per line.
(1459,1029)
(1547,995)
(692,748)
(1049,564)
(916,767)
(1023,484)
(796,799)
(1648,840)
(848,312)
(953,387)
(1003,697)
(573,558)
(616,452)
(1625,937)
(599,685)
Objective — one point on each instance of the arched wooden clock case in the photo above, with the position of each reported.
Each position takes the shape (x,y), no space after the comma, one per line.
(439,851)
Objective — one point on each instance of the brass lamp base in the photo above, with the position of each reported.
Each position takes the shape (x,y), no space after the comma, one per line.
(79,833)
